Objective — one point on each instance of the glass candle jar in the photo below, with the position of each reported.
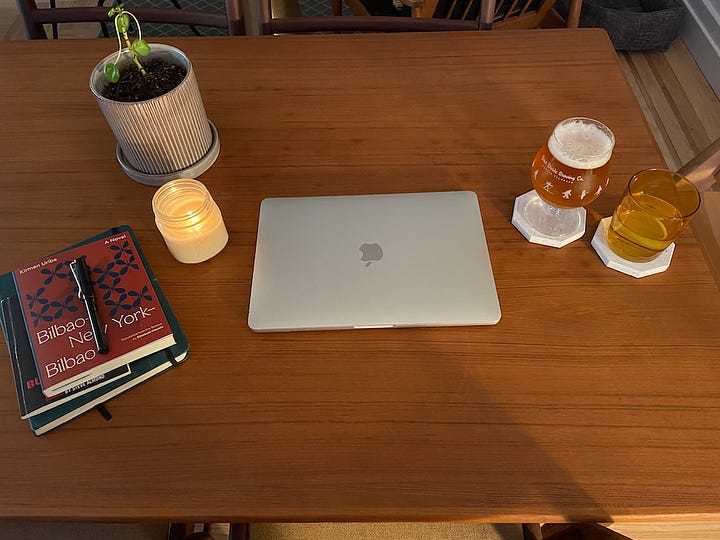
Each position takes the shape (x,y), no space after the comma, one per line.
(189,220)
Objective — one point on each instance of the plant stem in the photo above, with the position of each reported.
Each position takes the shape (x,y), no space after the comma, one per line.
(133,55)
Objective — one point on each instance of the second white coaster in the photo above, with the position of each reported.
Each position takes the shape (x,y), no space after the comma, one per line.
(638,270)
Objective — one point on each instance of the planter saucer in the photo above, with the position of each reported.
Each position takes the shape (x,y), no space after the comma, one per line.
(193,171)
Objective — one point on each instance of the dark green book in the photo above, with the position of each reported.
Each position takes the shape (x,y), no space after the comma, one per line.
(140,370)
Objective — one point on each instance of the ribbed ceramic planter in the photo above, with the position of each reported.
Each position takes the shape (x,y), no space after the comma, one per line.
(165,137)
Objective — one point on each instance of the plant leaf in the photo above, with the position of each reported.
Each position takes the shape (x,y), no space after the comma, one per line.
(115,10)
(122,23)
(112,73)
(140,47)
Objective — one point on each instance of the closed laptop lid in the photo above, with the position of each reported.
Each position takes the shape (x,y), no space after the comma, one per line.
(369,261)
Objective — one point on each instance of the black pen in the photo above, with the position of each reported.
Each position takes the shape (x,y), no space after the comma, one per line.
(86,293)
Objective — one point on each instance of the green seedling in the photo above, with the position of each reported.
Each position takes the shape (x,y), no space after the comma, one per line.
(135,48)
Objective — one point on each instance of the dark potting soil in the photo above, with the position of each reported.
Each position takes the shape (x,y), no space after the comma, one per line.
(162,76)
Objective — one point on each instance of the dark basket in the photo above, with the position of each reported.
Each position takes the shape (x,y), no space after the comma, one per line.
(633,25)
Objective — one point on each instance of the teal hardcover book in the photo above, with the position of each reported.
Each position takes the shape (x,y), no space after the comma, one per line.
(140,370)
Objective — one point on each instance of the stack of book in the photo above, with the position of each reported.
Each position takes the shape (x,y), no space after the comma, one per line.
(60,369)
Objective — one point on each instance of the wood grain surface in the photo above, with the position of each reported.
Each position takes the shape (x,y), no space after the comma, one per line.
(597,397)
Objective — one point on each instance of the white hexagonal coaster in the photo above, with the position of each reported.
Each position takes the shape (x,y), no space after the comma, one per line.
(638,270)
(537,237)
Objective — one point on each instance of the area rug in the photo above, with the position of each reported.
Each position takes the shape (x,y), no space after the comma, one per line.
(385,531)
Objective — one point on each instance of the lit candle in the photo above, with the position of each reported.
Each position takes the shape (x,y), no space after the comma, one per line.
(189,220)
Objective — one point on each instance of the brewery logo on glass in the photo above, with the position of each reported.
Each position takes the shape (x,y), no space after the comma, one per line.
(573,168)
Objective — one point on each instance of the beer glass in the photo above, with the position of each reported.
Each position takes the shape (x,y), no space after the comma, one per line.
(656,206)
(568,172)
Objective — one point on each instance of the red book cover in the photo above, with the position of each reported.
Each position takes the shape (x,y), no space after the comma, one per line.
(57,320)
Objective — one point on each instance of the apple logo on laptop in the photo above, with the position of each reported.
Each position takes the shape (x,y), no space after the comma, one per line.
(370,253)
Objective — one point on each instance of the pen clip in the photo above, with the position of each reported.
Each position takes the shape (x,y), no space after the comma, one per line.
(79,270)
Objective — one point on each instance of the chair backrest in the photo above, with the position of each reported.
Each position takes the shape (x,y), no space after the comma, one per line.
(507,14)
(34,18)
(259,20)
(521,13)
(704,169)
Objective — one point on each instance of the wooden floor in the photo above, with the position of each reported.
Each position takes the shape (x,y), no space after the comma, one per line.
(684,116)
(679,104)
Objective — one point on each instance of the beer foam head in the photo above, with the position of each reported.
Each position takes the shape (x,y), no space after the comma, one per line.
(581,143)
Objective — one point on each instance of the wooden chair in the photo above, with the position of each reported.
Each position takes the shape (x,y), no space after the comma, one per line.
(34,18)
(261,18)
(704,169)
(704,172)
(518,14)
(499,14)
(576,531)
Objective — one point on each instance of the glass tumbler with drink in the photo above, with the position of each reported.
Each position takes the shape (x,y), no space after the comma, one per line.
(655,207)
(569,172)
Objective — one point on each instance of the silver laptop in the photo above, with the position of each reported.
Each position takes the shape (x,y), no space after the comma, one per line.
(371,261)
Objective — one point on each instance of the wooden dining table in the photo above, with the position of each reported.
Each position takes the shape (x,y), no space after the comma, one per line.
(595,398)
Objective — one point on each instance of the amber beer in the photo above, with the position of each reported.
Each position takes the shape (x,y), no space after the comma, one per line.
(573,167)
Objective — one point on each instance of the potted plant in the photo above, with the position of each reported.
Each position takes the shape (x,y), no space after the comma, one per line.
(151,100)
